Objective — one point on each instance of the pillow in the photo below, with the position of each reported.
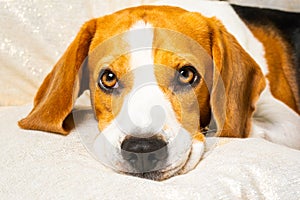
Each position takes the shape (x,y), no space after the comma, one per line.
(40,165)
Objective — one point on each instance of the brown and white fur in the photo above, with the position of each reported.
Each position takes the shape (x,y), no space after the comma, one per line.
(244,97)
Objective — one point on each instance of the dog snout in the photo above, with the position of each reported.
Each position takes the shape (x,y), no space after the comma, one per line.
(144,154)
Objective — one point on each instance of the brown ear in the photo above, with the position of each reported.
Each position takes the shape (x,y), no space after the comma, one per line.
(238,82)
(55,98)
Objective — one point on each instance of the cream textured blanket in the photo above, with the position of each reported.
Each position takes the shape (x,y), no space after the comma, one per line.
(39,165)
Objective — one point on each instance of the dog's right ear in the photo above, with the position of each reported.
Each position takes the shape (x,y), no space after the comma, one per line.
(234,104)
(56,96)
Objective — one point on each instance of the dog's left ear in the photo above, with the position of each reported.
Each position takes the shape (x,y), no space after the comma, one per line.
(237,84)
(56,96)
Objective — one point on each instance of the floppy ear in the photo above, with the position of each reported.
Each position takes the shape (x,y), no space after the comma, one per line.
(56,96)
(237,84)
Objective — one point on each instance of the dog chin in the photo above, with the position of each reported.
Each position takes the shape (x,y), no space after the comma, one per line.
(154,175)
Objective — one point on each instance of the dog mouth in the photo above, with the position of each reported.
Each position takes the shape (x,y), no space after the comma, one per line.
(154,175)
(192,159)
(159,175)
(153,158)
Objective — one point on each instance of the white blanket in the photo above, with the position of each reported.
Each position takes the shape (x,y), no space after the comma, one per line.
(39,165)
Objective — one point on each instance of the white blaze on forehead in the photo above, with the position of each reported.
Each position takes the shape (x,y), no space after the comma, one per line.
(133,39)
(140,41)
(145,108)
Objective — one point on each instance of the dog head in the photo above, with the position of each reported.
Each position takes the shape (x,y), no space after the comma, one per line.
(157,76)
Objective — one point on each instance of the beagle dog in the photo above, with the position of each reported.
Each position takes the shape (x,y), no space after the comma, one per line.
(162,77)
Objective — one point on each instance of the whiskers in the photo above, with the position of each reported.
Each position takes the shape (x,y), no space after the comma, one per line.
(207,132)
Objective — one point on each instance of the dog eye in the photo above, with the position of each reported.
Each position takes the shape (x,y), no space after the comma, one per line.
(188,75)
(107,80)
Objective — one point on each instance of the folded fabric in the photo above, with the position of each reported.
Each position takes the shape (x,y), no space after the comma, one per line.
(39,165)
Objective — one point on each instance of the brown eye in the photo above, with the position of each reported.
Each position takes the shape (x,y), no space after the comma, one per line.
(107,80)
(187,75)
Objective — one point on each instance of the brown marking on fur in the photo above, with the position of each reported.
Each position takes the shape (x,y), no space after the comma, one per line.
(108,106)
(282,75)
(55,97)
(186,104)
(199,137)
(243,82)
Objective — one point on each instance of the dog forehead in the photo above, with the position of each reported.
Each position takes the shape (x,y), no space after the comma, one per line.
(167,17)
(139,41)
(125,33)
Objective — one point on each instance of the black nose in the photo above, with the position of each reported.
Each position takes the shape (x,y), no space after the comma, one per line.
(144,154)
